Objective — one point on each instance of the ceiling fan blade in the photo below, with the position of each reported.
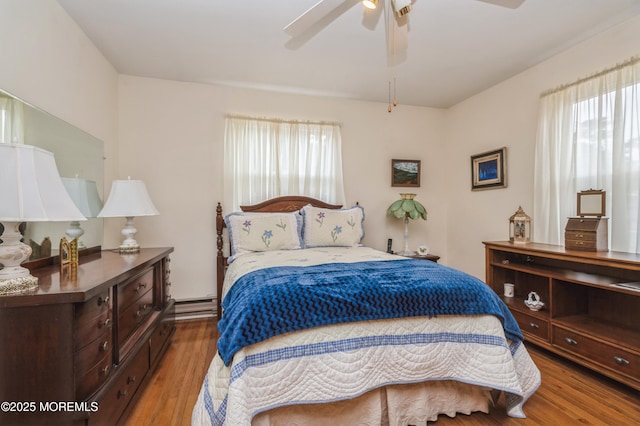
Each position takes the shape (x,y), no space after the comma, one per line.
(325,11)
(511,4)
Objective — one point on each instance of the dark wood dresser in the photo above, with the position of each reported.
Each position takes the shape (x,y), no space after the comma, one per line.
(591,312)
(79,348)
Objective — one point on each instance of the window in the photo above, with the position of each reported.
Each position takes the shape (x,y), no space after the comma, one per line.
(11,120)
(589,138)
(270,158)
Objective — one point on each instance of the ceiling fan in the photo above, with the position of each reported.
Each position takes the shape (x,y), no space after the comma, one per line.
(326,11)
(396,14)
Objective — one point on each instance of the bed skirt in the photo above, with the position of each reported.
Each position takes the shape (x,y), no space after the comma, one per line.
(395,405)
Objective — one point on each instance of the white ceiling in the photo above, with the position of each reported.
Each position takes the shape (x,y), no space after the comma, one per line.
(456,48)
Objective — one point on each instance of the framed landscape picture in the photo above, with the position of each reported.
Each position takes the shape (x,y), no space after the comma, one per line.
(488,170)
(405,173)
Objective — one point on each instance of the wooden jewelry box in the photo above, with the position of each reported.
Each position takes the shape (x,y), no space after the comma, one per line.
(588,233)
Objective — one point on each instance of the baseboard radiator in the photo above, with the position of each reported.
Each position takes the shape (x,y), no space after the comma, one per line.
(196,309)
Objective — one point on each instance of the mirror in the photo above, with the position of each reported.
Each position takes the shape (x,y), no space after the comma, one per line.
(591,203)
(77,154)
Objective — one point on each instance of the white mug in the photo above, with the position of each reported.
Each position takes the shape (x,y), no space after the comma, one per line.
(509,289)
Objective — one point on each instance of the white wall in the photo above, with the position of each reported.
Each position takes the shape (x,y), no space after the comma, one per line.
(171,135)
(506,115)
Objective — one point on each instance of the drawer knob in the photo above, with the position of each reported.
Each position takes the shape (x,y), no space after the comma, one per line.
(105,369)
(533,325)
(122,394)
(579,243)
(620,360)
(141,310)
(102,301)
(579,236)
(140,287)
(106,323)
(570,341)
(104,346)
(131,379)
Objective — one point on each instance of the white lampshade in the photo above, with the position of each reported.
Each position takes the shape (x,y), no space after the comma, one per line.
(30,191)
(84,194)
(128,198)
(30,187)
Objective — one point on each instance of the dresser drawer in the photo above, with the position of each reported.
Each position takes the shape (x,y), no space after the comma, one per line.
(589,244)
(121,391)
(161,335)
(93,329)
(93,307)
(89,381)
(92,354)
(135,314)
(532,325)
(618,360)
(134,289)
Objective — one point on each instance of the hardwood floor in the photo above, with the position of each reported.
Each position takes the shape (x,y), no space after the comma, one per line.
(569,394)
(171,394)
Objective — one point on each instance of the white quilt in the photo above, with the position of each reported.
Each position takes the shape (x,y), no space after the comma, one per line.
(343,361)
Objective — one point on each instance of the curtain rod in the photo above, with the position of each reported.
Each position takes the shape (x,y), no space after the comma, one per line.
(281,120)
(631,61)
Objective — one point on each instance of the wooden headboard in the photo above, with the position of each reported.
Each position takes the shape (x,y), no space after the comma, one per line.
(290,203)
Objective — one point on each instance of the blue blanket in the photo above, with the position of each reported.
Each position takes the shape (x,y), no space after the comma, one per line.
(277,300)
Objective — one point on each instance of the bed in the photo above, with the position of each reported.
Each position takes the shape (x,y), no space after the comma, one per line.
(317,329)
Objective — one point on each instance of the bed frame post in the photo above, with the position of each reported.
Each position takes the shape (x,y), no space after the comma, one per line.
(221,260)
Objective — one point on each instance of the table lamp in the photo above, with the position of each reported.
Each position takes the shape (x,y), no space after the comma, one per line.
(30,191)
(408,208)
(84,194)
(128,198)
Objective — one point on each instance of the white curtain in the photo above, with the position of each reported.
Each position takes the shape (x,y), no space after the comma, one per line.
(589,138)
(11,120)
(269,158)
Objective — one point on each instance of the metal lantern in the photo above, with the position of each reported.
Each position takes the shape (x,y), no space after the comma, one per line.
(520,227)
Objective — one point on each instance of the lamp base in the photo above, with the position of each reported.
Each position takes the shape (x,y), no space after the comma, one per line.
(13,277)
(129,245)
(407,253)
(18,285)
(75,231)
(126,249)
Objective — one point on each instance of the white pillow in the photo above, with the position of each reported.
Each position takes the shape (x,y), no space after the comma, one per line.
(251,232)
(328,227)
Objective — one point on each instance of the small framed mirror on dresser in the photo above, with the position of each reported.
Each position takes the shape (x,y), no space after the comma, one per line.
(592,203)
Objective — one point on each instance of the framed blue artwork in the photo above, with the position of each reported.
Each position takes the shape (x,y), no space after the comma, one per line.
(488,170)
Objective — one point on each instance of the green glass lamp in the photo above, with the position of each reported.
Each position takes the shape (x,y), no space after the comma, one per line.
(408,208)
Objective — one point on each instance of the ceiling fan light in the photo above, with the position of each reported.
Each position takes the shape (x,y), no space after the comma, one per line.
(370,4)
